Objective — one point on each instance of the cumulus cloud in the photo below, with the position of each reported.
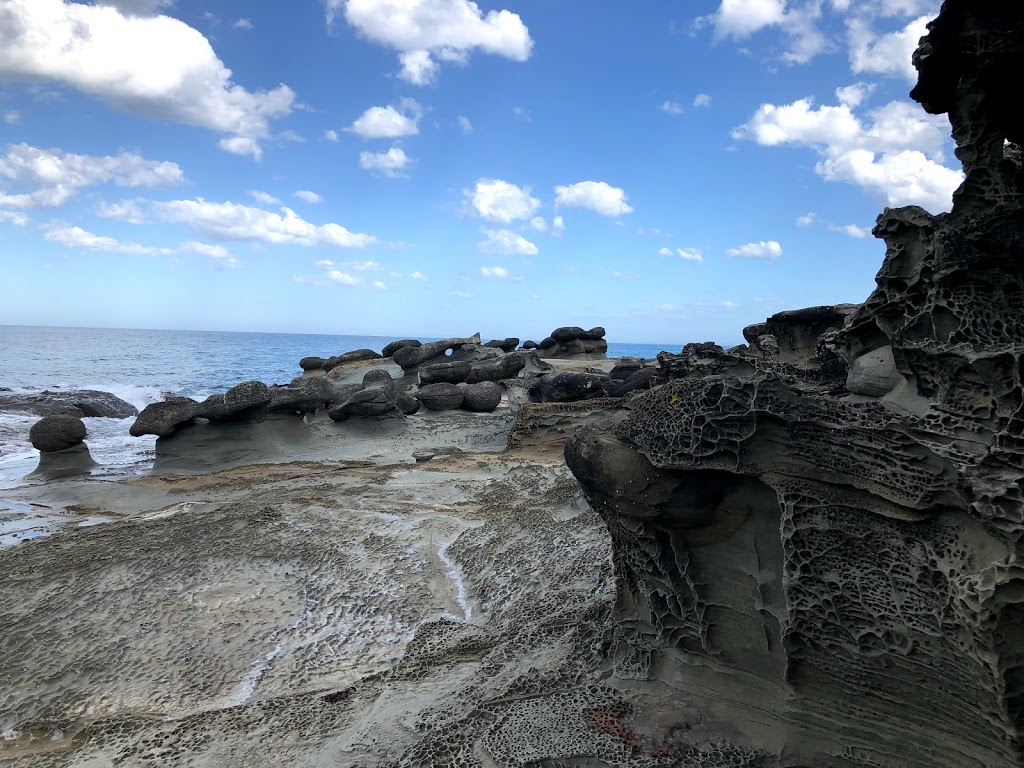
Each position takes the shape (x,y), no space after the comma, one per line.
(216,252)
(897,151)
(763,249)
(242,24)
(137,7)
(331,135)
(806,220)
(233,221)
(501,202)
(154,66)
(426,32)
(390,163)
(309,196)
(853,96)
(389,122)
(557,226)
(503,242)
(671,108)
(12,117)
(888,54)
(465,124)
(686,254)
(497,272)
(47,178)
(263,197)
(741,18)
(702,100)
(597,196)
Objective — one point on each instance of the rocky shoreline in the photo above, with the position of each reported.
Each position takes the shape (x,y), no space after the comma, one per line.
(801,552)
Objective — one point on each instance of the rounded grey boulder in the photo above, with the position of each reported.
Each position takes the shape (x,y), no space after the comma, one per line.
(482,397)
(57,433)
(441,397)
(394,346)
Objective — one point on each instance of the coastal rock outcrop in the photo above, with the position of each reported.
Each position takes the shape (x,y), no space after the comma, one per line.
(573,341)
(482,397)
(568,386)
(57,433)
(410,358)
(390,349)
(835,530)
(83,403)
(441,397)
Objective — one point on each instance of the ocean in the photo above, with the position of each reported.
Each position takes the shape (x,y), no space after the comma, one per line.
(140,366)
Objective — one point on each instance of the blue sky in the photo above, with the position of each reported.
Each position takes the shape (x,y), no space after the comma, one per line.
(670,170)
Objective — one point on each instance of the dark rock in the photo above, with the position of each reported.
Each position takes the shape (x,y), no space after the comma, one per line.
(440,397)
(450,372)
(57,433)
(573,341)
(505,367)
(435,453)
(162,419)
(406,403)
(305,395)
(311,363)
(378,378)
(73,402)
(645,378)
(394,346)
(626,367)
(548,342)
(482,397)
(870,544)
(569,386)
(355,356)
(505,345)
(529,344)
(248,400)
(372,402)
(337,413)
(410,358)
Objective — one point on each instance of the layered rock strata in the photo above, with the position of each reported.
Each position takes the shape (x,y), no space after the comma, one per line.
(825,542)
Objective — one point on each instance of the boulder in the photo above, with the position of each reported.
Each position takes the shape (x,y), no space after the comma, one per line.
(626,367)
(378,378)
(250,399)
(410,358)
(84,403)
(874,373)
(482,397)
(311,363)
(644,378)
(450,372)
(573,341)
(570,333)
(505,345)
(569,386)
(440,397)
(162,419)
(57,433)
(355,356)
(406,403)
(394,346)
(372,402)
(504,367)
(530,344)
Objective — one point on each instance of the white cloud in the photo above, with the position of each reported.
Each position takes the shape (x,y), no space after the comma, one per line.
(263,197)
(686,254)
(137,7)
(853,96)
(538,223)
(497,272)
(885,54)
(233,221)
(390,163)
(596,196)
(380,285)
(806,220)
(389,122)
(764,249)
(154,66)
(851,229)
(76,237)
(671,108)
(52,176)
(417,276)
(12,117)
(702,100)
(507,243)
(501,202)
(557,226)
(14,217)
(342,278)
(896,152)
(625,275)
(465,124)
(418,68)
(241,145)
(522,114)
(741,18)
(308,196)
(424,31)
(242,24)
(126,210)
(364,266)
(331,135)
(216,252)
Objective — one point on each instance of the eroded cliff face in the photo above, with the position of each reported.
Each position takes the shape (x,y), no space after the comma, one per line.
(828,554)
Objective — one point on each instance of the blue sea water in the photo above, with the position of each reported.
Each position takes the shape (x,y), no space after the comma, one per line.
(141,365)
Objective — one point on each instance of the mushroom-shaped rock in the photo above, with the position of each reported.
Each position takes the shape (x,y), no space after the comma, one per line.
(57,433)
(441,397)
(505,345)
(394,346)
(569,386)
(482,397)
(162,419)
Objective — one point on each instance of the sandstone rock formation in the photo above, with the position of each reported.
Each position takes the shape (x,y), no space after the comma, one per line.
(57,433)
(410,358)
(827,544)
(83,403)
(573,341)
